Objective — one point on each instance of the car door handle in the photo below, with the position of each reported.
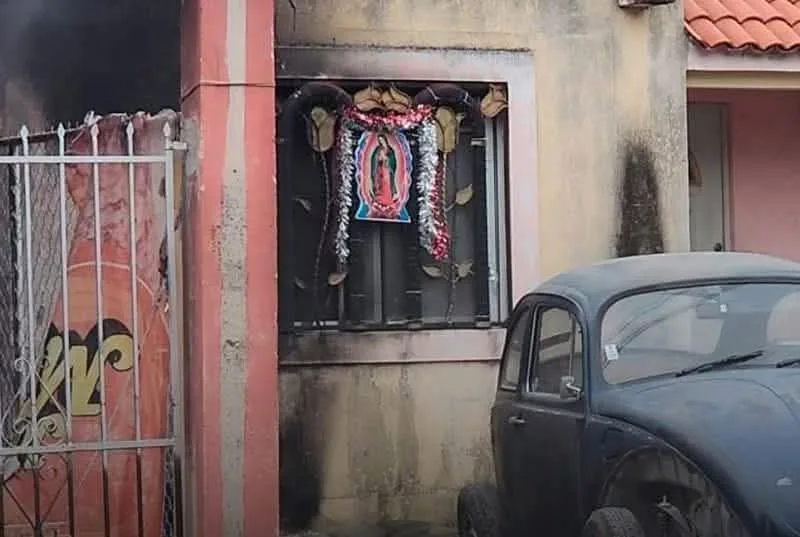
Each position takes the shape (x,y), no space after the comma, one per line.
(516,420)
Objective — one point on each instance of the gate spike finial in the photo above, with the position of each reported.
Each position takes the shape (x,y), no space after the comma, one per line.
(94,131)
(61,132)
(23,134)
(129,130)
(167,134)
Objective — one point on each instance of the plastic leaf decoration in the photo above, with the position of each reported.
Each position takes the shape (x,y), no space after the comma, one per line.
(395,100)
(336,278)
(464,195)
(464,268)
(494,102)
(304,203)
(433,272)
(368,99)
(321,130)
(446,129)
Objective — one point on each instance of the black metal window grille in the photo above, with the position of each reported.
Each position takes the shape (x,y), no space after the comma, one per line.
(391,281)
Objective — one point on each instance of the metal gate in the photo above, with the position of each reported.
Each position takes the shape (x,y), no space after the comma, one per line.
(90,391)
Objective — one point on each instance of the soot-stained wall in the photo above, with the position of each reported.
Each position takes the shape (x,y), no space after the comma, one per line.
(60,59)
(640,231)
(375,442)
(377,439)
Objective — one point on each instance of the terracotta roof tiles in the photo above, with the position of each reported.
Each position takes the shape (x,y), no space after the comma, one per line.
(757,25)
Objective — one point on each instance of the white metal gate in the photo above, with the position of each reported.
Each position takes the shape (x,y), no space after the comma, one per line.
(90,392)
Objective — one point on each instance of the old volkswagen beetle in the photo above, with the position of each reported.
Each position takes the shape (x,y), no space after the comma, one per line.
(655,395)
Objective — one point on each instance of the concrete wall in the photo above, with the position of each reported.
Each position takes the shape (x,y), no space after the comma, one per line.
(388,441)
(763,163)
(397,435)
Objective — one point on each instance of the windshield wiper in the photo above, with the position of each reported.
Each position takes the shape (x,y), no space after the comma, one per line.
(730,360)
(789,362)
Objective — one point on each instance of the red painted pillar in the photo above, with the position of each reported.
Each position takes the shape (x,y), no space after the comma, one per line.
(231,381)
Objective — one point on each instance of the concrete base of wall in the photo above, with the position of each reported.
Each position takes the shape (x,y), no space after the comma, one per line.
(379,442)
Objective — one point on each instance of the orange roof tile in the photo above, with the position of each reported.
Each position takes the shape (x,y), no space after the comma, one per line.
(758,25)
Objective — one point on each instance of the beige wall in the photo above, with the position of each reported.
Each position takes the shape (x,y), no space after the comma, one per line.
(397,440)
(392,441)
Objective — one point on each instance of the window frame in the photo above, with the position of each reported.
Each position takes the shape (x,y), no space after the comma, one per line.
(543,304)
(524,314)
(493,217)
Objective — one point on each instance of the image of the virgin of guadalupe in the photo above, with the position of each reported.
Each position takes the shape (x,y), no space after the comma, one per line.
(383,169)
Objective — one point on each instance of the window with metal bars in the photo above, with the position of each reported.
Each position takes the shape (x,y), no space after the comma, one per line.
(391,282)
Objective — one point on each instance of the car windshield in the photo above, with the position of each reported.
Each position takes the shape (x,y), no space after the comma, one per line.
(663,332)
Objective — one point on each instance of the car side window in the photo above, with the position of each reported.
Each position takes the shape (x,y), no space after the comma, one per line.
(512,355)
(557,351)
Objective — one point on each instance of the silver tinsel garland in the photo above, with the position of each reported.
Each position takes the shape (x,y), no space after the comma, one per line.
(347,168)
(426,184)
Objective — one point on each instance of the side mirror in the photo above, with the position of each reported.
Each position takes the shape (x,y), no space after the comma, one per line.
(568,388)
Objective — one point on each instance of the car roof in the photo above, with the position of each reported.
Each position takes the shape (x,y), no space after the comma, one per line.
(596,283)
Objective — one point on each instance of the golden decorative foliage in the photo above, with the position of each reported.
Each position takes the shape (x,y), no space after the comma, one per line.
(388,100)
(395,100)
(432,271)
(494,102)
(447,123)
(464,195)
(464,268)
(321,130)
(368,99)
(336,278)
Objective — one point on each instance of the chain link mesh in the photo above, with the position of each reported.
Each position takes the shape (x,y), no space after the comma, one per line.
(44,237)
(37,224)
(42,231)
(8,296)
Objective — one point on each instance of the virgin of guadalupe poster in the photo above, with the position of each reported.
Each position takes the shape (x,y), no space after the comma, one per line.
(383,171)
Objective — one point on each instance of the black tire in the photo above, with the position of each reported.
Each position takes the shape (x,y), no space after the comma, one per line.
(478,511)
(612,522)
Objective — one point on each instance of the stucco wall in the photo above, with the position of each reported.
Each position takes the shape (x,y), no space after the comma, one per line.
(764,164)
(399,440)
(388,441)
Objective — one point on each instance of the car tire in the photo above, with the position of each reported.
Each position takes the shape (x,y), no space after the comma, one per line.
(612,522)
(478,511)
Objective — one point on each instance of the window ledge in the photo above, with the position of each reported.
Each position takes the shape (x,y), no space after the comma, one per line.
(407,347)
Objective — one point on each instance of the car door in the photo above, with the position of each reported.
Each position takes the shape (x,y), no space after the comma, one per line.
(549,427)
(504,409)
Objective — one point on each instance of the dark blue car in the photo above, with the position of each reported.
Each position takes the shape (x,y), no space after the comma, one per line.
(655,395)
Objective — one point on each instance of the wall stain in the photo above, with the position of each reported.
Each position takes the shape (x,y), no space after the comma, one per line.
(640,230)
(376,411)
(482,463)
(371,453)
(408,480)
(302,455)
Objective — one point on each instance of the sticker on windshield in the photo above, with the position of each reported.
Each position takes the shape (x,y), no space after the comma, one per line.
(611,353)
(723,307)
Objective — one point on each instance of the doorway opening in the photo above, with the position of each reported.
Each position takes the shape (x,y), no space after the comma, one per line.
(708,177)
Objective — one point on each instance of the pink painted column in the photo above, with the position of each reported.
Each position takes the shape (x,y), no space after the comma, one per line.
(228,105)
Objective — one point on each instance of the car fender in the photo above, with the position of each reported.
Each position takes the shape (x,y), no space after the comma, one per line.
(657,473)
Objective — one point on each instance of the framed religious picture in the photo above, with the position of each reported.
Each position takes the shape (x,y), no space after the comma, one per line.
(383,176)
